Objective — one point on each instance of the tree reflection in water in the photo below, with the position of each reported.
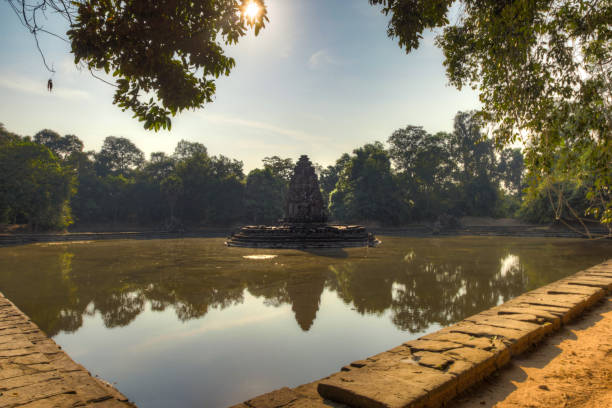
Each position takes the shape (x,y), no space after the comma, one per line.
(419,282)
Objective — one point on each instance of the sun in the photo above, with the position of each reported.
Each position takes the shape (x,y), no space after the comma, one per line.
(251,11)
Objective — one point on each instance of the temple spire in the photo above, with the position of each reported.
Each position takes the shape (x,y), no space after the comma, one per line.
(304,202)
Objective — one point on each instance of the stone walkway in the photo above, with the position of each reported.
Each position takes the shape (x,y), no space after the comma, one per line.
(35,372)
(431,370)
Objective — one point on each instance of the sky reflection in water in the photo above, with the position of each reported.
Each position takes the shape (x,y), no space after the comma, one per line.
(193,323)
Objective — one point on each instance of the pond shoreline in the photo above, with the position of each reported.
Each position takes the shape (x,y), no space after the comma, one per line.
(432,370)
(538,231)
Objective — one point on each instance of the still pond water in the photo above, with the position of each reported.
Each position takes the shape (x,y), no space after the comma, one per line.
(185,323)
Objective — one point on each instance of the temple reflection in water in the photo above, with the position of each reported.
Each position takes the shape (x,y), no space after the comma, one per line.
(420,282)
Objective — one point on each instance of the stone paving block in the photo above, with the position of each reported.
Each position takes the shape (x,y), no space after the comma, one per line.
(502,321)
(534,331)
(28,379)
(565,288)
(438,361)
(598,275)
(10,331)
(482,330)
(560,312)
(9,312)
(548,302)
(33,392)
(90,389)
(592,281)
(10,370)
(485,362)
(521,317)
(430,345)
(109,403)
(63,363)
(551,317)
(517,341)
(11,338)
(311,403)
(308,390)
(12,319)
(34,358)
(460,338)
(466,374)
(359,363)
(56,401)
(274,399)
(367,389)
(568,301)
(17,344)
(47,346)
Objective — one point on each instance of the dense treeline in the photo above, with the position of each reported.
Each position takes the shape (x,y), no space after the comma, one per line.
(49,182)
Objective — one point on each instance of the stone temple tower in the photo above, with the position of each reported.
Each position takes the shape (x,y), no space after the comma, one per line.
(304,202)
(303,227)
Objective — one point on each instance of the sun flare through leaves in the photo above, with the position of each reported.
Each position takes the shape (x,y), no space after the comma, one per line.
(251,11)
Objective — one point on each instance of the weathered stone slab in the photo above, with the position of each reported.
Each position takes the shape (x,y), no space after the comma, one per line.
(471,365)
(8,369)
(592,281)
(17,344)
(33,358)
(12,338)
(534,331)
(521,317)
(503,322)
(359,363)
(310,403)
(22,381)
(430,345)
(460,338)
(438,360)
(565,288)
(406,386)
(540,313)
(568,301)
(63,363)
(482,330)
(61,400)
(274,399)
(33,392)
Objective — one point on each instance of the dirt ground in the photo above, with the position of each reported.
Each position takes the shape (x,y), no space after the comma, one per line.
(492,222)
(571,369)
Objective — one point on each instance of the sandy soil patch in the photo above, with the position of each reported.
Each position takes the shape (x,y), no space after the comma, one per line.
(492,222)
(571,369)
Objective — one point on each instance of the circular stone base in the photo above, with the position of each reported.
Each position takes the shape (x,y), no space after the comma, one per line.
(298,236)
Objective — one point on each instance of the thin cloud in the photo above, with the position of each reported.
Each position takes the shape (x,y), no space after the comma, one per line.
(295,134)
(322,58)
(27,85)
(208,327)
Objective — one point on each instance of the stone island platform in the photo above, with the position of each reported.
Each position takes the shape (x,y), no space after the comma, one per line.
(298,236)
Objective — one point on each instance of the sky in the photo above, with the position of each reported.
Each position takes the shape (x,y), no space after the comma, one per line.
(322,79)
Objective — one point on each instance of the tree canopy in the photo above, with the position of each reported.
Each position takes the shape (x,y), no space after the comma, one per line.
(542,69)
(416,177)
(164,54)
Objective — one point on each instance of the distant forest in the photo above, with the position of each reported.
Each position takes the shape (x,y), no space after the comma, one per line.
(49,183)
